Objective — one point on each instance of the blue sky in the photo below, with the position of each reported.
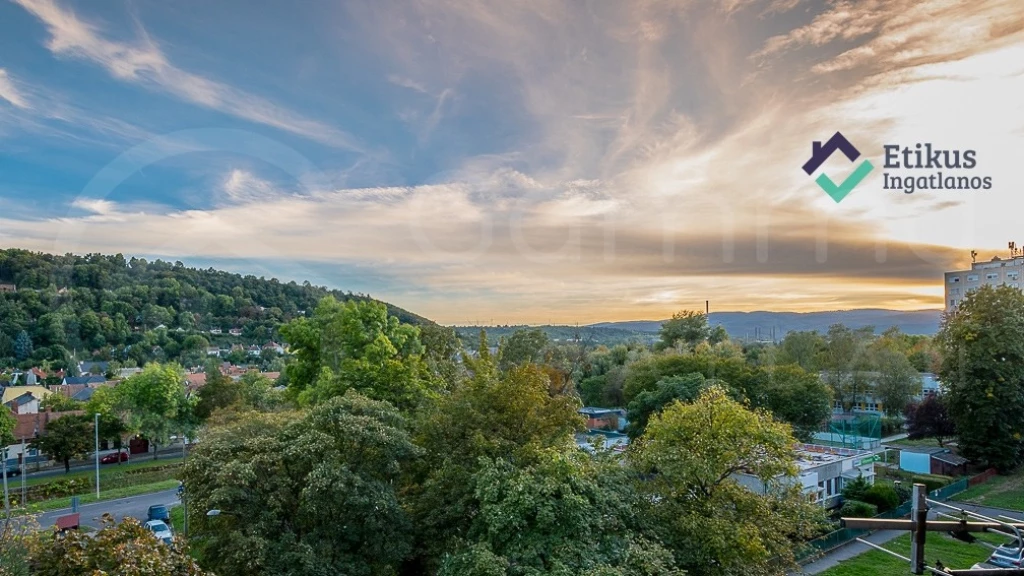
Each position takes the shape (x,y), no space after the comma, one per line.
(528,162)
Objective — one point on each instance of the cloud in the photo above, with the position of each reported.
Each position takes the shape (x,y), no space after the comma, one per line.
(144,63)
(243,187)
(9,92)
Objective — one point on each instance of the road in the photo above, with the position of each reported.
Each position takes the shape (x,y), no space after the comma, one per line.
(134,506)
(59,470)
(855,548)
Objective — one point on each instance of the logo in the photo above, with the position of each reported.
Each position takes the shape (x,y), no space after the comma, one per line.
(819,154)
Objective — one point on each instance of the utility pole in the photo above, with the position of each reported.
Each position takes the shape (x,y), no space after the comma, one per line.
(7,499)
(184,501)
(919,513)
(24,469)
(96,431)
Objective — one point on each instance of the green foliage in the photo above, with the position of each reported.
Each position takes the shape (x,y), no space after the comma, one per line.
(104,552)
(898,381)
(105,401)
(307,493)
(111,306)
(356,345)
(686,328)
(711,523)
(66,437)
(856,489)
(793,395)
(930,418)
(669,389)
(7,424)
(882,496)
(983,370)
(60,403)
(858,509)
(522,347)
(154,403)
(218,392)
(645,373)
(802,349)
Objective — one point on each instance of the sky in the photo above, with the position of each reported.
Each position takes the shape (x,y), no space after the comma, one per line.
(537,161)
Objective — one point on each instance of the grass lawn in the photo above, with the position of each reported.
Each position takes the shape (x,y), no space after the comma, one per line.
(952,553)
(919,443)
(999,492)
(58,503)
(106,471)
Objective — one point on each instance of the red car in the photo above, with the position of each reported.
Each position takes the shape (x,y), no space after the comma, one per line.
(112,457)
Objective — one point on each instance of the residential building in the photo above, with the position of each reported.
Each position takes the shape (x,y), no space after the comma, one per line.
(254,350)
(995,272)
(215,331)
(91,368)
(213,351)
(823,471)
(604,418)
(14,398)
(864,400)
(83,380)
(5,287)
(235,331)
(607,439)
(275,347)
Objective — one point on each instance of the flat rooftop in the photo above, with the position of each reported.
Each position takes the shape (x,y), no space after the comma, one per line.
(812,455)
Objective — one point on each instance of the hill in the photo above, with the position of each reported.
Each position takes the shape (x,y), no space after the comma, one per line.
(98,307)
(748,324)
(607,335)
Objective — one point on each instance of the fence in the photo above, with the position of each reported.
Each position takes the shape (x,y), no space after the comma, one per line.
(832,540)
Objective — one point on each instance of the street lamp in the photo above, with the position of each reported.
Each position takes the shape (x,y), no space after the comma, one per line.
(96,429)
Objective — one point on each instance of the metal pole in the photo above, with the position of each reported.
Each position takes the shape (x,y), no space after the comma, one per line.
(7,499)
(96,429)
(24,469)
(920,532)
(184,496)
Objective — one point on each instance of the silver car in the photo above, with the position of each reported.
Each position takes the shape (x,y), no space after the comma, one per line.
(161,530)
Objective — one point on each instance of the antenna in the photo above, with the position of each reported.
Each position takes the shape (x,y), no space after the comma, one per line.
(1013,249)
(974,256)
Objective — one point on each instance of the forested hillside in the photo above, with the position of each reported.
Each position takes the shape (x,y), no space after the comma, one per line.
(99,307)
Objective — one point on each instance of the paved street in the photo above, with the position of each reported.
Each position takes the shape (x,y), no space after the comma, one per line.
(134,506)
(854,548)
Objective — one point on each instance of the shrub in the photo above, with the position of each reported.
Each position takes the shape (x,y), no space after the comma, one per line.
(856,489)
(884,497)
(858,509)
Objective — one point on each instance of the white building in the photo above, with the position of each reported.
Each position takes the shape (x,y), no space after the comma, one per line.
(823,471)
(995,272)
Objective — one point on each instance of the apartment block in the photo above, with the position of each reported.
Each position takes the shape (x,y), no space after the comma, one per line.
(995,272)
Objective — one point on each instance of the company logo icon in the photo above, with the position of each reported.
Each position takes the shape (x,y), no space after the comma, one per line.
(820,153)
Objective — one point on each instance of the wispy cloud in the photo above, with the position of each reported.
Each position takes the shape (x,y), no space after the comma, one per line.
(9,92)
(144,63)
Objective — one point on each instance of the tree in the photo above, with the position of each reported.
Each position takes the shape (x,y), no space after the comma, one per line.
(930,418)
(522,346)
(219,391)
(356,345)
(22,346)
(669,389)
(66,437)
(691,454)
(792,395)
(846,363)
(60,403)
(154,402)
(7,424)
(311,493)
(802,349)
(688,327)
(104,552)
(898,382)
(982,346)
(106,403)
(257,392)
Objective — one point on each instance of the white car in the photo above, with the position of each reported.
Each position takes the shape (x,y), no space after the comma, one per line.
(161,530)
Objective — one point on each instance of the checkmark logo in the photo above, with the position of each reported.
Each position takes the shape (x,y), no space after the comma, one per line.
(822,152)
(839,192)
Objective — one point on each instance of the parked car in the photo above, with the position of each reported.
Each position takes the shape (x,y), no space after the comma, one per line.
(161,530)
(158,513)
(12,469)
(113,457)
(1008,555)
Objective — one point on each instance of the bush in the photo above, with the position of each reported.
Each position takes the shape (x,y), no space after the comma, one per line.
(856,489)
(858,509)
(930,482)
(882,496)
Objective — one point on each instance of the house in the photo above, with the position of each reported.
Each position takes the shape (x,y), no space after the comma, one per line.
(235,331)
(604,438)
(213,351)
(195,381)
(84,380)
(823,471)
(274,346)
(4,288)
(932,460)
(215,331)
(254,350)
(128,372)
(29,426)
(866,402)
(14,398)
(93,368)
(604,418)
(68,390)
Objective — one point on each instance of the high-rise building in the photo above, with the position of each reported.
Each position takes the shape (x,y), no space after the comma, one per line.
(994,272)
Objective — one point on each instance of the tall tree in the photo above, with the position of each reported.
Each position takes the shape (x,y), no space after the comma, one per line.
(522,346)
(7,424)
(105,402)
(219,391)
(982,345)
(356,345)
(687,327)
(930,418)
(846,363)
(691,454)
(898,382)
(304,494)
(65,438)
(670,389)
(22,346)
(792,395)
(155,403)
(802,349)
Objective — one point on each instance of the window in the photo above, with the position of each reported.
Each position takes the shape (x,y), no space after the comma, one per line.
(954,279)
(1014,275)
(952,302)
(954,291)
(992,276)
(972,277)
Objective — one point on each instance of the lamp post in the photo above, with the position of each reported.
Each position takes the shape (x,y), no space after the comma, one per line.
(96,430)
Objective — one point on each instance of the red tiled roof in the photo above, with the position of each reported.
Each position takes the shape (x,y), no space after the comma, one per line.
(28,425)
(68,390)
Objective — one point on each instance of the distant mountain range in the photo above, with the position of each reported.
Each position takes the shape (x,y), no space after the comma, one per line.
(761,324)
